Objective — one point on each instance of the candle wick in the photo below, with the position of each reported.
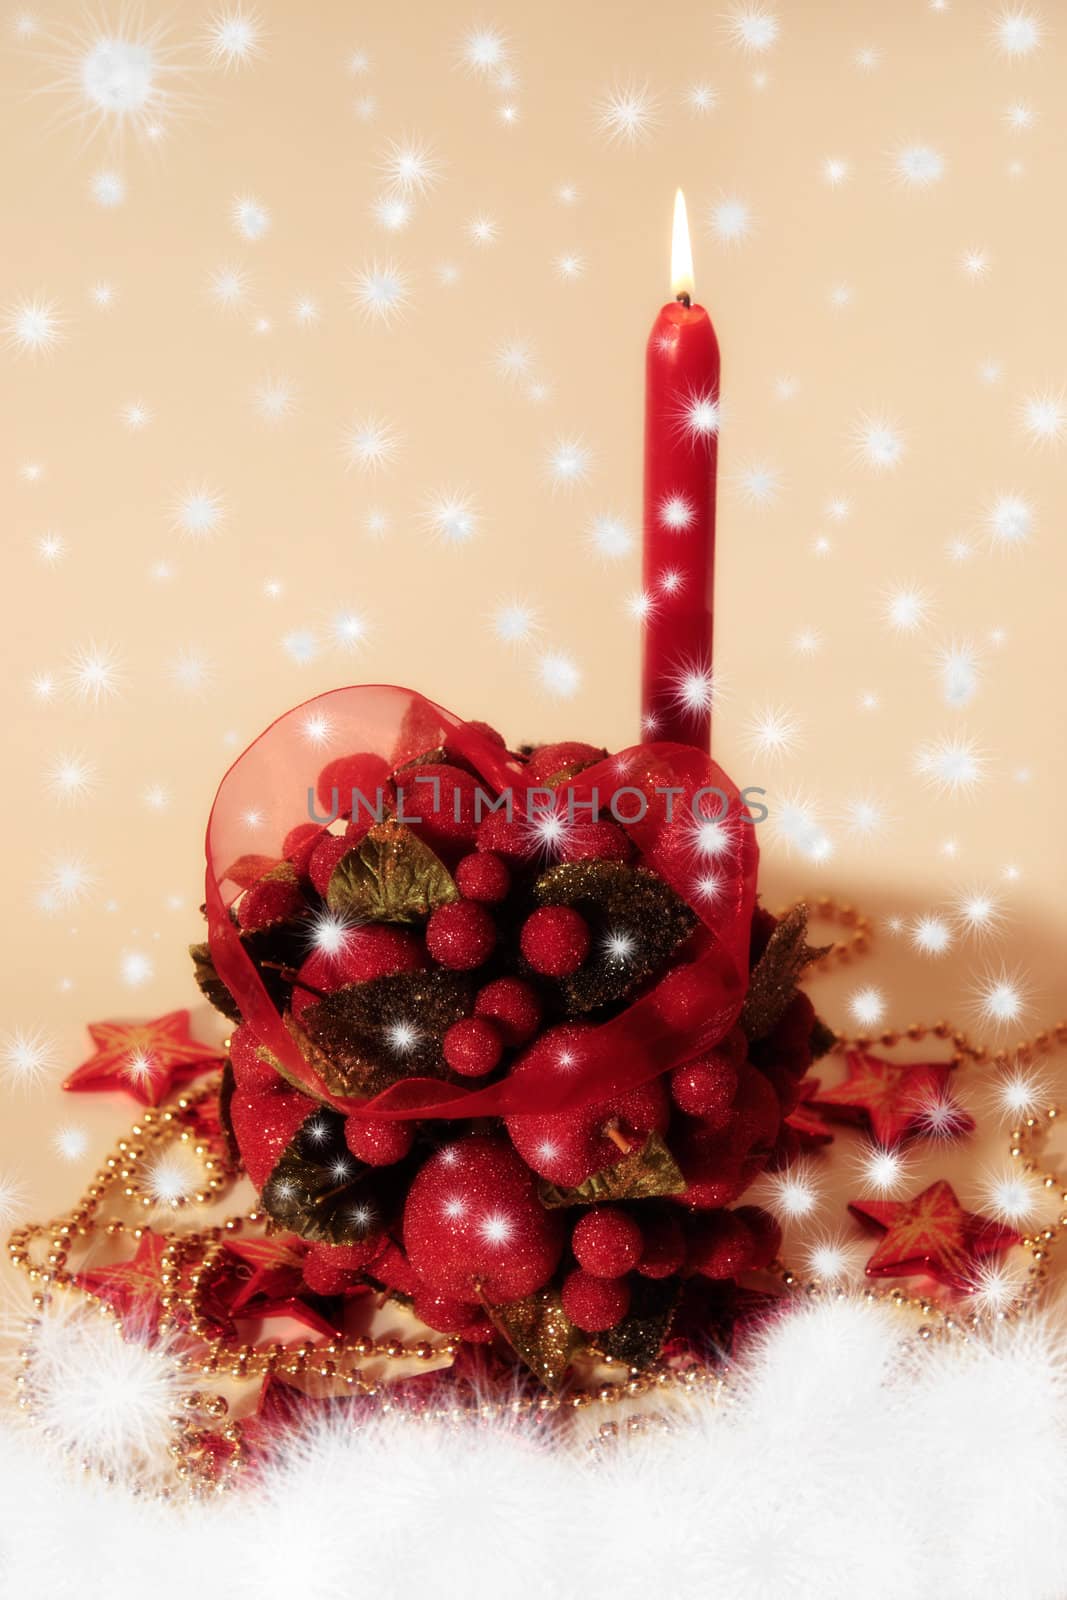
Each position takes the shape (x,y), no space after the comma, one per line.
(684,299)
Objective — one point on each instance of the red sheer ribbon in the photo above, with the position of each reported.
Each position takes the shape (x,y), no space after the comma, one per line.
(701,844)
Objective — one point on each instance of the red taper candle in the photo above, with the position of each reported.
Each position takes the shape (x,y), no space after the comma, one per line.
(681,449)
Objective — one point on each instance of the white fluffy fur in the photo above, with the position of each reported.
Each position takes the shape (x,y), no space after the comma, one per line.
(846,1467)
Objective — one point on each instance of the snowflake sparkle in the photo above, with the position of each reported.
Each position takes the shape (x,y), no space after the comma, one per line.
(906,608)
(33,327)
(730,220)
(1000,998)
(627,113)
(752,28)
(118,76)
(514,622)
(792,1193)
(198,512)
(1017,32)
(569,461)
(451,517)
(952,765)
(409,166)
(381,291)
(878,442)
(1009,521)
(867,1006)
(249,216)
(233,37)
(27,1058)
(70,778)
(676,512)
(918,166)
(559,675)
(610,537)
(771,732)
(1043,416)
(371,444)
(94,673)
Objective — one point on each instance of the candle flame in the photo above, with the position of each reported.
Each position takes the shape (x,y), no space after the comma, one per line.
(681,252)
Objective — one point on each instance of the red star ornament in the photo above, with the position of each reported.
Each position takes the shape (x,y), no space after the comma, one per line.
(931,1233)
(146,1059)
(805,1120)
(271,1268)
(896,1096)
(132,1288)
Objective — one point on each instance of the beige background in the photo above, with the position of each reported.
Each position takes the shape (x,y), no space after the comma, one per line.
(935,308)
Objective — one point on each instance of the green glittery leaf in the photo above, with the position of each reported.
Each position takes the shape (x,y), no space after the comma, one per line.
(318,1189)
(210,984)
(540,1333)
(391,876)
(571,769)
(370,1035)
(821,1040)
(773,982)
(649,1171)
(227,1086)
(638,1338)
(274,950)
(636,920)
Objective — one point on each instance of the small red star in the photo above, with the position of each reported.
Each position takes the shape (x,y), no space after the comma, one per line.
(275,1268)
(131,1288)
(146,1059)
(297,1310)
(805,1120)
(931,1233)
(896,1097)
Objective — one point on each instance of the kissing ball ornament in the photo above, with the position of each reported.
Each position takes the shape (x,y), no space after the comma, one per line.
(513,1035)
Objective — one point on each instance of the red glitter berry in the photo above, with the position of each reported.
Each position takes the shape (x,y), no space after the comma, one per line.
(607,1242)
(719,1162)
(379,1141)
(756,1115)
(681,998)
(438,802)
(461,935)
(489,732)
(510,837)
(269,901)
(298,845)
(447,1315)
(374,951)
(366,772)
(720,1245)
(330,1268)
(474,1223)
(472,1047)
(378,951)
(483,876)
(566,758)
(325,856)
(711,1164)
(664,1250)
(766,1235)
(555,940)
(595,1304)
(594,841)
(512,1006)
(705,1088)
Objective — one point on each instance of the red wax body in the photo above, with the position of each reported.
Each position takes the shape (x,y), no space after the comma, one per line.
(681,449)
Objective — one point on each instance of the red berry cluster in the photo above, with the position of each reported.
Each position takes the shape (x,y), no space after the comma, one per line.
(462,1218)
